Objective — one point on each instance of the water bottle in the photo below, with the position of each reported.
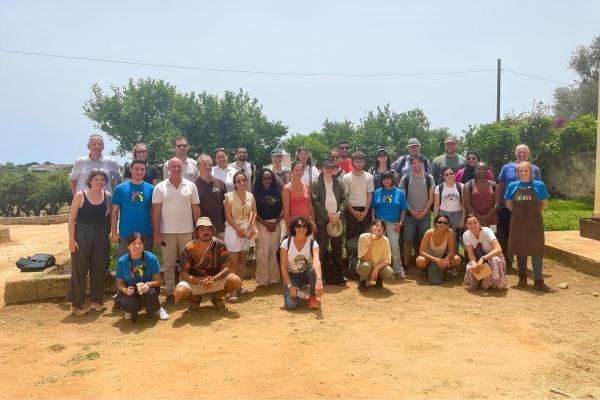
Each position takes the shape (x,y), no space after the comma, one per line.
(301,295)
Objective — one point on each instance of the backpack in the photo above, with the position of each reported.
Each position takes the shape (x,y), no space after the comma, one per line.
(37,262)
(428,182)
(403,160)
(471,182)
(278,254)
(459,187)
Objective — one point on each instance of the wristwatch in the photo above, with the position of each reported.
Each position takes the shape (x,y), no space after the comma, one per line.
(289,285)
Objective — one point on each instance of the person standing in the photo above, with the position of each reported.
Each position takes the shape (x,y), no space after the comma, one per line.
(467,173)
(211,192)
(402,164)
(450,159)
(329,201)
(296,197)
(334,154)
(140,152)
(189,170)
(381,165)
(132,209)
(345,162)
(311,173)
(269,215)
(418,189)
(358,184)
(88,242)
(527,198)
(83,167)
(448,200)
(282,173)
(175,206)
(481,196)
(389,204)
(508,174)
(222,170)
(242,165)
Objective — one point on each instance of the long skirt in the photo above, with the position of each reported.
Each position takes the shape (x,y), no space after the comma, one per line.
(496,280)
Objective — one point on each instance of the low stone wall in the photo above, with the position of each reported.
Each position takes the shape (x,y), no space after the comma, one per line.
(41,220)
(573,177)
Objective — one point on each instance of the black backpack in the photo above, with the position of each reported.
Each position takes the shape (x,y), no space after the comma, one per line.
(37,262)
(459,187)
(428,182)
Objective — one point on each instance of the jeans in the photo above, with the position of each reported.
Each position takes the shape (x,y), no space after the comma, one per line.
(298,280)
(394,239)
(537,263)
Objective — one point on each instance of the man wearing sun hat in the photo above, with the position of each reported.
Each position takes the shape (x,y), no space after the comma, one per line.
(205,268)
(402,166)
(450,159)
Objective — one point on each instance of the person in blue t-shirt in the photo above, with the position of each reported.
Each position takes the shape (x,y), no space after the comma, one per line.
(138,280)
(131,206)
(389,204)
(527,198)
(508,174)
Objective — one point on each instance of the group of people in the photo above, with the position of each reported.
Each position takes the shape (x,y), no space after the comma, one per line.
(206,218)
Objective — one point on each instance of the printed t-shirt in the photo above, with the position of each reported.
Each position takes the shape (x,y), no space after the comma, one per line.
(135,207)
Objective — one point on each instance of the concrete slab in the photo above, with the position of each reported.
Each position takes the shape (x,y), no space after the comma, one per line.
(574,251)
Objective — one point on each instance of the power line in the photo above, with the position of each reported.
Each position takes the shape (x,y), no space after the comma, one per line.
(532,76)
(243,71)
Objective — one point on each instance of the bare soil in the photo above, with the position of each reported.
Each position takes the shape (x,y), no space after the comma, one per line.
(407,340)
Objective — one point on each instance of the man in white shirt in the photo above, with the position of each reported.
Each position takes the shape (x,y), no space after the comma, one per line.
(242,165)
(359,186)
(175,207)
(189,166)
(83,166)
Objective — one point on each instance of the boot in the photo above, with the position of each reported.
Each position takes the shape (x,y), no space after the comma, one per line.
(539,284)
(522,281)
(362,285)
(378,282)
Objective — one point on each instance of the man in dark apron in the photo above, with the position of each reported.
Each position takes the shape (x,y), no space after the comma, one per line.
(527,234)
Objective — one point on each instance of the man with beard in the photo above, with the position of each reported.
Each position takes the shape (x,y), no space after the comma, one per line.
(345,163)
(242,165)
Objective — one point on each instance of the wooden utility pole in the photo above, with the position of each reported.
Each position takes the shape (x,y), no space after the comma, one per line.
(498,90)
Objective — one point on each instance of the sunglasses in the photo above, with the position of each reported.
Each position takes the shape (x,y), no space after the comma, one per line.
(301,226)
(442,222)
(449,174)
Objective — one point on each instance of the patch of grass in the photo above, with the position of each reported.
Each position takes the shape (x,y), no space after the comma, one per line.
(45,381)
(57,348)
(82,372)
(83,356)
(563,215)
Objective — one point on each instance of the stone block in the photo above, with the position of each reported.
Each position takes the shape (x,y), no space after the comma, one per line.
(589,228)
(19,290)
(52,286)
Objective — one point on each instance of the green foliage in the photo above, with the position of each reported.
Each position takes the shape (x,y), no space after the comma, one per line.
(494,142)
(563,215)
(577,135)
(31,193)
(581,97)
(154,112)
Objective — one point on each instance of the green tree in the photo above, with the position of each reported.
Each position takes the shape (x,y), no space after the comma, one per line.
(581,97)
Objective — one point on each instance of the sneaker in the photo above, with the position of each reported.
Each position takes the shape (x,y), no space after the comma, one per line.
(162,314)
(218,303)
(116,303)
(170,299)
(127,316)
(400,275)
(362,286)
(313,303)
(379,283)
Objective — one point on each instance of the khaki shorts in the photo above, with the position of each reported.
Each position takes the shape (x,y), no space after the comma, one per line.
(199,290)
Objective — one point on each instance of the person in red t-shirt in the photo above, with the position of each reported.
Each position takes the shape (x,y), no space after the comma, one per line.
(344,162)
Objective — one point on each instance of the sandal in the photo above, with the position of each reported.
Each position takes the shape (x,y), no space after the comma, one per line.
(98,307)
(78,312)
(218,303)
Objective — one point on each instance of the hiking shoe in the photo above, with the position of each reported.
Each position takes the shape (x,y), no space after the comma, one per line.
(218,303)
(313,303)
(127,316)
(170,299)
(539,284)
(162,314)
(362,286)
(522,281)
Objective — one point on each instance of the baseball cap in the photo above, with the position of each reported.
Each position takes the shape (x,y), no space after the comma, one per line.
(451,139)
(413,142)
(203,221)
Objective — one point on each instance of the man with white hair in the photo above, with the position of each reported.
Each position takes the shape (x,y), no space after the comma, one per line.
(175,207)
(83,166)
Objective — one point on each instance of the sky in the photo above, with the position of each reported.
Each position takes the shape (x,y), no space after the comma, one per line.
(42,98)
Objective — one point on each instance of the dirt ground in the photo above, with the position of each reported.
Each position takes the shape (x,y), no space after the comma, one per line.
(407,340)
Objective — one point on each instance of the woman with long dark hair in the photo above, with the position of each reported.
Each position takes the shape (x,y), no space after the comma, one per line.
(381,165)
(467,173)
(438,250)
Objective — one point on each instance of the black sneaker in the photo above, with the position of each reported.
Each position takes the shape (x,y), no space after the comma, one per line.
(170,299)
(362,286)
(379,283)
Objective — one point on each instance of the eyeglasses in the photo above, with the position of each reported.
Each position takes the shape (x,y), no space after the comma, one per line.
(141,151)
(449,174)
(442,222)
(381,155)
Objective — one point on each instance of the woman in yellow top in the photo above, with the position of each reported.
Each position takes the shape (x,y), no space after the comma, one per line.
(240,229)
(374,256)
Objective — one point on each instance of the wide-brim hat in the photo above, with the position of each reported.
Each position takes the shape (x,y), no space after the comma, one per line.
(335,230)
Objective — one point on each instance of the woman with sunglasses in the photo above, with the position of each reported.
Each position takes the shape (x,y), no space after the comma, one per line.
(438,250)
(296,197)
(269,214)
(467,173)
(374,256)
(240,229)
(300,265)
(482,247)
(447,199)
(381,165)
(138,280)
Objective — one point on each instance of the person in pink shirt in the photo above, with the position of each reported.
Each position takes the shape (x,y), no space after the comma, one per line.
(467,173)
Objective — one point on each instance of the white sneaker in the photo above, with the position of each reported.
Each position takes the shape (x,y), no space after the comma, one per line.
(162,314)
(127,316)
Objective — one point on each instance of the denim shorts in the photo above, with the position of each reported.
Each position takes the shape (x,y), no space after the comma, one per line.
(415,228)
